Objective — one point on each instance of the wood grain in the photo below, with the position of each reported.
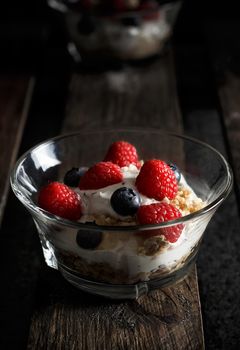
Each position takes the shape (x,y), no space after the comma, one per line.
(22,262)
(210,69)
(65,318)
(144,96)
(229,94)
(15,95)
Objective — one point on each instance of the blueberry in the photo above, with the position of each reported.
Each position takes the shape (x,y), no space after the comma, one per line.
(88,239)
(131,21)
(176,171)
(72,177)
(125,201)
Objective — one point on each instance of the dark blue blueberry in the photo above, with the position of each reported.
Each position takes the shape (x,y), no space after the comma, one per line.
(131,21)
(176,171)
(72,177)
(125,201)
(88,239)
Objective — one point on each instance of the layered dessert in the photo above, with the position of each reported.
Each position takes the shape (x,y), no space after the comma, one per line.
(123,29)
(120,201)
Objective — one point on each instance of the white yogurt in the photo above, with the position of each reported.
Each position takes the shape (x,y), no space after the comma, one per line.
(123,252)
(97,202)
(125,256)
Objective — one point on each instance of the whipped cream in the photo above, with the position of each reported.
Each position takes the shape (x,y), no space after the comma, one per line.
(97,202)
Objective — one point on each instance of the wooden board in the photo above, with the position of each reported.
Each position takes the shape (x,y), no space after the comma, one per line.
(15,97)
(218,260)
(205,73)
(229,94)
(65,318)
(21,259)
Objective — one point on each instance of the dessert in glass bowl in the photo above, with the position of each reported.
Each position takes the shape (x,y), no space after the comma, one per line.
(118,29)
(121,212)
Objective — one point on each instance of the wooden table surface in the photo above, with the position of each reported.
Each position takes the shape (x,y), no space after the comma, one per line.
(39,310)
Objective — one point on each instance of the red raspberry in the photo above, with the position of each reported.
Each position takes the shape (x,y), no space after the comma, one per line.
(149,9)
(113,6)
(101,175)
(157,213)
(119,5)
(122,153)
(60,200)
(157,180)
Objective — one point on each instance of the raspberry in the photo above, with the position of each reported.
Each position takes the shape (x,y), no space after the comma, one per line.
(122,153)
(150,9)
(101,175)
(60,200)
(119,5)
(157,213)
(157,180)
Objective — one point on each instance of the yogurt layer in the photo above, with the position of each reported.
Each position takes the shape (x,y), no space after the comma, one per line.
(126,256)
(97,202)
(125,250)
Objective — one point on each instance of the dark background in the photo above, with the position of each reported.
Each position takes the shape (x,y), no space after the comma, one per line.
(32,37)
(206,44)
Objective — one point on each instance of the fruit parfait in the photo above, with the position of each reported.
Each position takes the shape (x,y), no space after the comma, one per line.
(145,197)
(118,29)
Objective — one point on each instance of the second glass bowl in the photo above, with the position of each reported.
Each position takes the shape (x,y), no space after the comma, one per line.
(102,31)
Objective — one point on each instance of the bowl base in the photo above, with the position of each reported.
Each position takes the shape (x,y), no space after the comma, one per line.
(125,291)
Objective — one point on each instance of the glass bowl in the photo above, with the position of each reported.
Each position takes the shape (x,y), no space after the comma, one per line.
(104,30)
(127,260)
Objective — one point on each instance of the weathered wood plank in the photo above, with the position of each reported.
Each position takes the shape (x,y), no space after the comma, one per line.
(224,53)
(169,319)
(143,96)
(218,261)
(229,94)
(23,260)
(221,245)
(67,318)
(15,96)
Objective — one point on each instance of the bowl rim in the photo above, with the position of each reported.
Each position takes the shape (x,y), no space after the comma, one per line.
(66,8)
(93,226)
